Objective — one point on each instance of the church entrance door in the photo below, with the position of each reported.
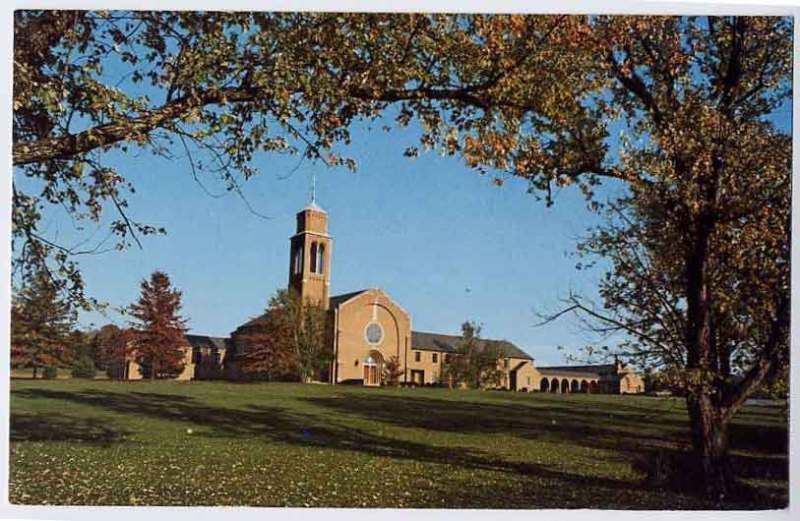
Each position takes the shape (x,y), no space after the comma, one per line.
(372,370)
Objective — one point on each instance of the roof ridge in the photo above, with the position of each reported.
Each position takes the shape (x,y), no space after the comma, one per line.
(351,292)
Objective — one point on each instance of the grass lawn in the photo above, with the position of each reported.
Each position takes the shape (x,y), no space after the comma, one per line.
(214,443)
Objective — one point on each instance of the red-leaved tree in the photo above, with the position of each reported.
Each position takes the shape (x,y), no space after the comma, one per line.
(158,338)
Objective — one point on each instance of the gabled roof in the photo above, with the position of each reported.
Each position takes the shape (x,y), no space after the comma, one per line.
(253,321)
(217,342)
(422,341)
(337,300)
(334,302)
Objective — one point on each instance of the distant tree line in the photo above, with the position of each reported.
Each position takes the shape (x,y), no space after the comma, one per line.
(45,336)
(288,343)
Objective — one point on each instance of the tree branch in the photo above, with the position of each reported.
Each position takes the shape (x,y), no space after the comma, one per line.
(770,356)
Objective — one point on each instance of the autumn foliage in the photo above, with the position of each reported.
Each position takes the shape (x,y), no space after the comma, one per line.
(288,342)
(700,279)
(158,330)
(115,349)
(392,371)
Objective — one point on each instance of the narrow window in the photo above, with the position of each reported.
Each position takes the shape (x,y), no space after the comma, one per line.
(298,260)
(435,357)
(313,257)
(321,259)
(417,356)
(447,358)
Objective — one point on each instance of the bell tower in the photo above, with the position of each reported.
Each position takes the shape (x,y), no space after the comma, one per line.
(310,255)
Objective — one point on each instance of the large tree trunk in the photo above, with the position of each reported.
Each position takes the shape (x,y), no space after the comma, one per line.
(34,372)
(709,433)
(709,426)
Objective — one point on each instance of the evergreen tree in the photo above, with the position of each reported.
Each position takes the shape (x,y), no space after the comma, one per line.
(158,336)
(82,354)
(41,325)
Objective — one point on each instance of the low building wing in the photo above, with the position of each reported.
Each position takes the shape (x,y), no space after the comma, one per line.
(423,341)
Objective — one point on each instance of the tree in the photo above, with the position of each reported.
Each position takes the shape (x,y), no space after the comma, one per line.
(748,291)
(699,244)
(101,341)
(116,351)
(83,367)
(475,361)
(289,339)
(310,339)
(262,349)
(528,96)
(307,325)
(82,354)
(158,329)
(392,371)
(41,325)
(221,88)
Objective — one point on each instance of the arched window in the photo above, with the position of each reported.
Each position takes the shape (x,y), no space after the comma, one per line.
(321,259)
(298,260)
(313,257)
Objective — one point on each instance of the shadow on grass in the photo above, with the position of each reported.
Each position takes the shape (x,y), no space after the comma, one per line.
(565,422)
(590,424)
(645,438)
(581,423)
(40,427)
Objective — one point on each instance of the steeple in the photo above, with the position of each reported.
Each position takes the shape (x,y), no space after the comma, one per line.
(313,188)
(310,253)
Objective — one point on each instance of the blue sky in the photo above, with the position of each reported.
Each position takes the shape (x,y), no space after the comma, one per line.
(445,242)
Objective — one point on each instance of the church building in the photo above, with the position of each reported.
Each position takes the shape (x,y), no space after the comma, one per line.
(369,328)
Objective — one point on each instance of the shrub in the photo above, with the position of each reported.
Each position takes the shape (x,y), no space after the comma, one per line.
(83,368)
(50,373)
(392,372)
